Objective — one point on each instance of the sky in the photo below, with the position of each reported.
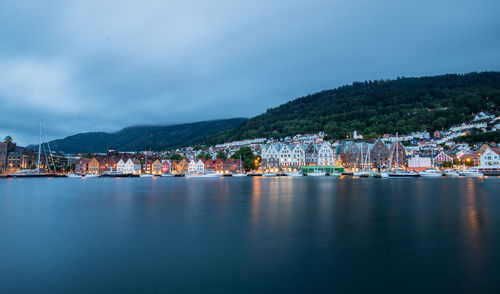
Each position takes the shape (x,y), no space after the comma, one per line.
(103,65)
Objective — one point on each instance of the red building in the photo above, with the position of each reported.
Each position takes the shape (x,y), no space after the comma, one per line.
(165,166)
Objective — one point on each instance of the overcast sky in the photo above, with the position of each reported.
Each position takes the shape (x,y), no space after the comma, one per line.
(104,65)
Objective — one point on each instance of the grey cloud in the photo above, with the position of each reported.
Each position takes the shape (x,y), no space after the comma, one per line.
(103,65)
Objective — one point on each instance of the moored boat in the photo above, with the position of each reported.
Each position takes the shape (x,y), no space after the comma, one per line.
(451,173)
(269,175)
(431,173)
(316,174)
(90,176)
(209,174)
(471,173)
(73,175)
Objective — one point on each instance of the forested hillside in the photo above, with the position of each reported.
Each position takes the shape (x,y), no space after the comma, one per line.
(377,107)
(156,138)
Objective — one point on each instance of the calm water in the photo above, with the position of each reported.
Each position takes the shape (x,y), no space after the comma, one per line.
(249,235)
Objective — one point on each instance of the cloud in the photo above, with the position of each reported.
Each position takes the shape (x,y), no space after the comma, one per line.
(102,65)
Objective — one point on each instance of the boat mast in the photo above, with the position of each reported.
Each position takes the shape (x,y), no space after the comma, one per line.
(397,153)
(39,147)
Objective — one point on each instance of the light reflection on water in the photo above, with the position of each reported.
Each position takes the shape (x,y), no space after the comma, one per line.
(249,235)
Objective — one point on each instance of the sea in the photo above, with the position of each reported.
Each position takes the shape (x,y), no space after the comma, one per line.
(250,235)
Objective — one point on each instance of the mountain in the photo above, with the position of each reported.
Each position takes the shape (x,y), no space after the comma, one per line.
(145,137)
(376,107)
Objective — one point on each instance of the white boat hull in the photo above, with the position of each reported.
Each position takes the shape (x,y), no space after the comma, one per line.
(91,176)
(204,176)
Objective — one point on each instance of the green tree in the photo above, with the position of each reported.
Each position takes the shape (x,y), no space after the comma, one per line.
(176,156)
(89,155)
(204,155)
(221,155)
(247,157)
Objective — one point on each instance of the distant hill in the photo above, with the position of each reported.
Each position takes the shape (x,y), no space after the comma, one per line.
(377,107)
(145,137)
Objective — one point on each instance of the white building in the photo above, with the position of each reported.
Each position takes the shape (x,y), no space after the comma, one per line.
(200,167)
(132,166)
(326,155)
(490,159)
(299,155)
(285,155)
(121,167)
(270,155)
(192,166)
(418,162)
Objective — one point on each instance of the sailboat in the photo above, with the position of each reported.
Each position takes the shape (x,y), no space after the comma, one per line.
(36,172)
(398,172)
(240,174)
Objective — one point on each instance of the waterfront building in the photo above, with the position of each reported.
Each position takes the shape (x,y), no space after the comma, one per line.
(147,166)
(132,166)
(285,155)
(379,155)
(165,167)
(182,167)
(271,155)
(440,158)
(299,155)
(81,165)
(156,167)
(326,155)
(490,161)
(208,164)
(121,166)
(200,167)
(14,158)
(311,155)
(418,163)
(93,166)
(111,165)
(192,166)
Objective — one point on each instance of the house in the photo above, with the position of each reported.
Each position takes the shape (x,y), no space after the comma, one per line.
(156,167)
(147,167)
(418,163)
(219,166)
(132,166)
(111,164)
(379,155)
(121,166)
(200,167)
(311,155)
(440,158)
(490,158)
(270,155)
(326,156)
(299,155)
(192,166)
(208,164)
(81,165)
(165,167)
(182,167)
(93,166)
(285,155)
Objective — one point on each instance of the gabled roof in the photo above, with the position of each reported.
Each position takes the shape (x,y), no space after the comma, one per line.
(278,146)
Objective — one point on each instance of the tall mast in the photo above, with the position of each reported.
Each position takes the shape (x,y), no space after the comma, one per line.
(39,147)
(397,152)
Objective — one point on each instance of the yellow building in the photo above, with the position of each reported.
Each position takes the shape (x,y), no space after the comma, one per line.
(93,166)
(156,167)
